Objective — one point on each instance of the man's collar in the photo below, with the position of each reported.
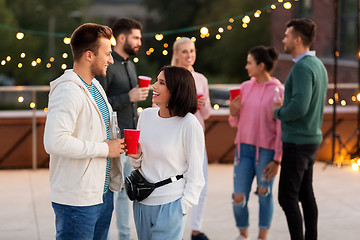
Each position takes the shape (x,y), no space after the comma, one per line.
(298,58)
(118,57)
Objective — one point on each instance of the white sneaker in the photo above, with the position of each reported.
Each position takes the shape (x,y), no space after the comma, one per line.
(241,237)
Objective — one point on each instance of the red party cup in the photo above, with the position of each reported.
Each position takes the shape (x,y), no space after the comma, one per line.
(131,140)
(234,93)
(199,95)
(144,81)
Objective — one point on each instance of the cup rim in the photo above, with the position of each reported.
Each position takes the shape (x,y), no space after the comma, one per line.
(134,130)
(146,78)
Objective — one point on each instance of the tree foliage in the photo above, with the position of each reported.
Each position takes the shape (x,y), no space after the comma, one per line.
(222,61)
(36,15)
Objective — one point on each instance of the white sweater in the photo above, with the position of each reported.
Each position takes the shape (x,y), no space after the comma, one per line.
(74,137)
(171,146)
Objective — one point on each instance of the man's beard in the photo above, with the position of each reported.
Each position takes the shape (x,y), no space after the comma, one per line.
(97,71)
(129,50)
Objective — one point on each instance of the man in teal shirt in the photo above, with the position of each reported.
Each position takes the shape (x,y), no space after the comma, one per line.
(301,117)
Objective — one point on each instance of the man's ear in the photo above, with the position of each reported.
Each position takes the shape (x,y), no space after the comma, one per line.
(88,55)
(121,38)
(298,39)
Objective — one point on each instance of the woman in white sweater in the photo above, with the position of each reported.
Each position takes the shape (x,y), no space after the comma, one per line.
(171,144)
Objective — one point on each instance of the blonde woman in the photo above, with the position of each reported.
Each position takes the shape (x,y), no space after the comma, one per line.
(184,55)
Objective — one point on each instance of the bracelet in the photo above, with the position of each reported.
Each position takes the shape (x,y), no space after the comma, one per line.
(276,162)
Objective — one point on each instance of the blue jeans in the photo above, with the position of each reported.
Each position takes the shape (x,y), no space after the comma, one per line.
(246,167)
(122,205)
(84,223)
(159,222)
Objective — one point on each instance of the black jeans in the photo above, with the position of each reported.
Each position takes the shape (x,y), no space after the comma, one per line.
(295,185)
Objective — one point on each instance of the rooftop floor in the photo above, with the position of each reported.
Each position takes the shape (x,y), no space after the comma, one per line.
(26,211)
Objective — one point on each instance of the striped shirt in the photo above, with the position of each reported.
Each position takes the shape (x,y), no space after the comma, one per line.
(100,102)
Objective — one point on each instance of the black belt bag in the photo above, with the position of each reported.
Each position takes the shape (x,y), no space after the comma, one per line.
(138,188)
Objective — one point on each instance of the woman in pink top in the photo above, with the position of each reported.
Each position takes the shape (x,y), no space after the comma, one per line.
(184,55)
(258,139)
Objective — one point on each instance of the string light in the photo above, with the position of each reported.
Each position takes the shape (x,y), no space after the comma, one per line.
(151,50)
(353,98)
(22,55)
(355,166)
(159,37)
(287,5)
(3,62)
(139,109)
(204,30)
(63,66)
(45,109)
(20,99)
(113,41)
(177,38)
(216,106)
(246,19)
(136,60)
(20,35)
(358,97)
(32,105)
(67,40)
(33,63)
(331,101)
(343,103)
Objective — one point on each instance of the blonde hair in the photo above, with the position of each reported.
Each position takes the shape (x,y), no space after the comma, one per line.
(176,45)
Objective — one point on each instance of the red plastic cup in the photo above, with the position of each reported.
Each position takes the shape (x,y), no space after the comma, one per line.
(144,81)
(199,95)
(131,140)
(234,93)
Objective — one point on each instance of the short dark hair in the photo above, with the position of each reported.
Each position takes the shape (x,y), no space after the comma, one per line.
(305,28)
(86,38)
(125,25)
(266,55)
(181,85)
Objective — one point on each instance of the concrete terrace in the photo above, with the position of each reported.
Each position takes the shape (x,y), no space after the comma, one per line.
(26,213)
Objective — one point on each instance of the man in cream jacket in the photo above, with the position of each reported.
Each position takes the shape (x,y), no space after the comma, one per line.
(85,167)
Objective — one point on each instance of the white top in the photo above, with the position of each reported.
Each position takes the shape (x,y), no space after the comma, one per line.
(171,146)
